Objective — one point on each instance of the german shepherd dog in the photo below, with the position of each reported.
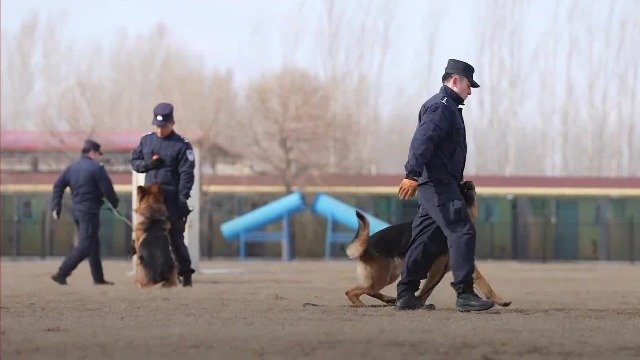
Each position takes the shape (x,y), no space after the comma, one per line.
(154,263)
(381,256)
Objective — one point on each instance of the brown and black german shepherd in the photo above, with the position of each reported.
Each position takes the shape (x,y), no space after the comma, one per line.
(381,256)
(154,263)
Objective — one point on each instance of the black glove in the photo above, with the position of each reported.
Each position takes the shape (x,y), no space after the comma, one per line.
(153,164)
(183,209)
(56,214)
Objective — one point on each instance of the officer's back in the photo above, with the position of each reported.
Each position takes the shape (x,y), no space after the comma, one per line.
(89,183)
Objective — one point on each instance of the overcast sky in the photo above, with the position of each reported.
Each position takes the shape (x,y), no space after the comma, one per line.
(249,36)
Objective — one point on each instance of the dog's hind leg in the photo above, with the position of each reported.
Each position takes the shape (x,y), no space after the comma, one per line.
(482,284)
(439,268)
(384,273)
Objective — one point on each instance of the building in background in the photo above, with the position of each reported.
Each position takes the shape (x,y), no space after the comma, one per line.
(533,218)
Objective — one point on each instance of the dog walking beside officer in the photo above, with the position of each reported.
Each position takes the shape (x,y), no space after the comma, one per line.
(434,169)
(89,183)
(168,159)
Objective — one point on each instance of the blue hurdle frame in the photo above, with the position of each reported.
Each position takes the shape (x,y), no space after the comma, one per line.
(283,236)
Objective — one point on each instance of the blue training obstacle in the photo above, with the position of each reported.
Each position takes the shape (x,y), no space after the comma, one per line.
(336,210)
(244,228)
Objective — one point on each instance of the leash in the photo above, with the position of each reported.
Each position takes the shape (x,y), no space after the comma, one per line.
(117,214)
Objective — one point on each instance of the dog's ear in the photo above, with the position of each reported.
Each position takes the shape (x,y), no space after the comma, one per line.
(142,192)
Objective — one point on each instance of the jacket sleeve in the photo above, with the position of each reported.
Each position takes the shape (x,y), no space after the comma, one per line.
(58,190)
(137,159)
(186,168)
(106,186)
(433,124)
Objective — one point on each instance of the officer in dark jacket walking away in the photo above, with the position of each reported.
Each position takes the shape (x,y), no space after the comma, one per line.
(434,170)
(168,159)
(89,183)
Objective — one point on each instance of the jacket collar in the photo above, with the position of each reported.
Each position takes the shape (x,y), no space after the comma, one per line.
(457,99)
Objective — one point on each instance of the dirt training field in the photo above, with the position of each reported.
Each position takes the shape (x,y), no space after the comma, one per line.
(275,310)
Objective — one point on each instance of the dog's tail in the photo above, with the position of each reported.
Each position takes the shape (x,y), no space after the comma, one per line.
(153,259)
(359,242)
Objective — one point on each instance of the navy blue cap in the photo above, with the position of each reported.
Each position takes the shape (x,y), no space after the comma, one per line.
(162,115)
(90,145)
(461,68)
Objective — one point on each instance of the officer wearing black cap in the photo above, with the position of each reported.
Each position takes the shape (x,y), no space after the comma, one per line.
(89,183)
(434,170)
(168,159)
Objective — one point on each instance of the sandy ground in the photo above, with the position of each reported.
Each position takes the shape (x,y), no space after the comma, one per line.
(275,310)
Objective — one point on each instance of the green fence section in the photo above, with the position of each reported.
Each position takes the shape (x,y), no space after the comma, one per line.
(535,228)
(29,230)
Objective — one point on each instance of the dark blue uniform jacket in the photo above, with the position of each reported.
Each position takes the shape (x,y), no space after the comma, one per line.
(176,171)
(438,150)
(89,183)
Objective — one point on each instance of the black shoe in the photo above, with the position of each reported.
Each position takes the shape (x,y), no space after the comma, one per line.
(102,282)
(410,302)
(186,280)
(468,300)
(59,279)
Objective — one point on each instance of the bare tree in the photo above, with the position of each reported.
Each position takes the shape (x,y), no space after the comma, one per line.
(287,125)
(213,120)
(354,41)
(18,73)
(501,61)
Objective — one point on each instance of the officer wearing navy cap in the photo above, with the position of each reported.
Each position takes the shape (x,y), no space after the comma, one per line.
(89,183)
(168,159)
(434,169)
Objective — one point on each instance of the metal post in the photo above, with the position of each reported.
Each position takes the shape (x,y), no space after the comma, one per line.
(286,239)
(16,227)
(515,234)
(49,232)
(545,227)
(44,233)
(327,242)
(632,250)
(492,234)
(491,217)
(243,246)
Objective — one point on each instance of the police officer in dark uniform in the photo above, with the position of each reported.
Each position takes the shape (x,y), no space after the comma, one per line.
(434,170)
(89,183)
(168,159)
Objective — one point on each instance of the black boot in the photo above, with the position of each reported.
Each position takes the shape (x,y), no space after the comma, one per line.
(468,300)
(103,282)
(411,302)
(59,279)
(186,280)
(186,277)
